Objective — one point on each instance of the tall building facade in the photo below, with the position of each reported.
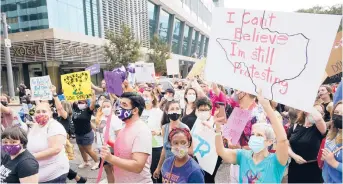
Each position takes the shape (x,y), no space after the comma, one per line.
(52,37)
(78,16)
(132,13)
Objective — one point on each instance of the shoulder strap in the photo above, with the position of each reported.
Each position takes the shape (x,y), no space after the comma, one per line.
(337,149)
(171,170)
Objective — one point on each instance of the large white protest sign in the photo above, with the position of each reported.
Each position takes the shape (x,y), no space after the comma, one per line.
(173,67)
(285,54)
(204,145)
(145,72)
(40,88)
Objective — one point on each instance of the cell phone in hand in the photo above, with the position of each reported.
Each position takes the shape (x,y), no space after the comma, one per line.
(221,107)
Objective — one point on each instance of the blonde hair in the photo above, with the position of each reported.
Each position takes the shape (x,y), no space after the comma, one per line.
(100,113)
(335,132)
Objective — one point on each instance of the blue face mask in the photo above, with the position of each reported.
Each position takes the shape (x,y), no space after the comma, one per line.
(256,143)
(123,114)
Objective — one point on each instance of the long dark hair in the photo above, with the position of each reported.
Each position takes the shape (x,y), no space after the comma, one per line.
(165,120)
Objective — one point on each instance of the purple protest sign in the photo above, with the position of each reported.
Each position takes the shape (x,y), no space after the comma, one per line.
(113,83)
(94,69)
(232,130)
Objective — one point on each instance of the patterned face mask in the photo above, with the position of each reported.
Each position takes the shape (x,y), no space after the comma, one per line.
(42,119)
(124,114)
(179,151)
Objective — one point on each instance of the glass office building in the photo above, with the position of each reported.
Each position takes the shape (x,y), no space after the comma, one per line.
(184,40)
(79,16)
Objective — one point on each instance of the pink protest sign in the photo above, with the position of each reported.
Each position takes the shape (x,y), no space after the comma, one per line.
(234,127)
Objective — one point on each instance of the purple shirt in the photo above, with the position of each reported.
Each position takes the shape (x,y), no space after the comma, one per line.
(190,172)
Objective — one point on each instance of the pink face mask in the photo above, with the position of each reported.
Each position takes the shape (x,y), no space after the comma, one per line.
(42,119)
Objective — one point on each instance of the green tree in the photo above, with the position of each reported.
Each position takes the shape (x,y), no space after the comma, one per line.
(122,48)
(333,10)
(158,54)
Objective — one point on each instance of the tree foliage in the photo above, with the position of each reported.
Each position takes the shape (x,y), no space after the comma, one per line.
(122,48)
(333,10)
(158,54)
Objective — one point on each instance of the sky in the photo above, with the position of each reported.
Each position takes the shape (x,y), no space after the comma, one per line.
(279,5)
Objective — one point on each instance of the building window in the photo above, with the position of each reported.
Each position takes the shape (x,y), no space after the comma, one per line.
(206,46)
(163,27)
(176,36)
(152,18)
(185,40)
(194,36)
(199,45)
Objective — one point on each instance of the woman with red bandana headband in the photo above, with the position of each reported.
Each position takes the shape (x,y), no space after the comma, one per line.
(47,139)
(173,112)
(18,165)
(181,168)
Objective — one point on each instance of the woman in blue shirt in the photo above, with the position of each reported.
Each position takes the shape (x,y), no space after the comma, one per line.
(332,154)
(173,111)
(181,168)
(258,165)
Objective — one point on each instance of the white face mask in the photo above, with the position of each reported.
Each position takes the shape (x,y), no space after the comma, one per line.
(191,98)
(82,106)
(106,111)
(204,115)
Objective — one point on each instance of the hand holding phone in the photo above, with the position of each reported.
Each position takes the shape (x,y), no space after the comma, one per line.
(220,106)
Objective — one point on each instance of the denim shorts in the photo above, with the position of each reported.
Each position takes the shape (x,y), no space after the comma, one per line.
(85,140)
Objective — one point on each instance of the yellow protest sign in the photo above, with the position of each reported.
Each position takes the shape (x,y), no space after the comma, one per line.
(77,86)
(198,69)
(334,65)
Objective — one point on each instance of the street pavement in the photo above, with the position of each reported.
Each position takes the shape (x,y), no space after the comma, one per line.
(222,174)
(86,172)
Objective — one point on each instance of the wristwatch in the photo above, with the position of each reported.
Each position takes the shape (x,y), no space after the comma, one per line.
(55,95)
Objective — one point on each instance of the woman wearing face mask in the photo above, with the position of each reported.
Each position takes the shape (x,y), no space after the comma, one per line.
(189,116)
(83,131)
(305,137)
(64,113)
(152,116)
(181,168)
(332,154)
(46,141)
(205,120)
(18,165)
(258,165)
(173,111)
(105,111)
(325,94)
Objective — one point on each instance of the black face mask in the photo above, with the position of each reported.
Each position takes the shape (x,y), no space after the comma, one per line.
(174,116)
(337,121)
(4,103)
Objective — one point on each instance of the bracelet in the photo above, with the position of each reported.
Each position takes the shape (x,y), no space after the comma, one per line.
(219,133)
(55,95)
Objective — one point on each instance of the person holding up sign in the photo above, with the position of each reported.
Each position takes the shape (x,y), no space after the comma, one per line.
(258,165)
(83,130)
(305,137)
